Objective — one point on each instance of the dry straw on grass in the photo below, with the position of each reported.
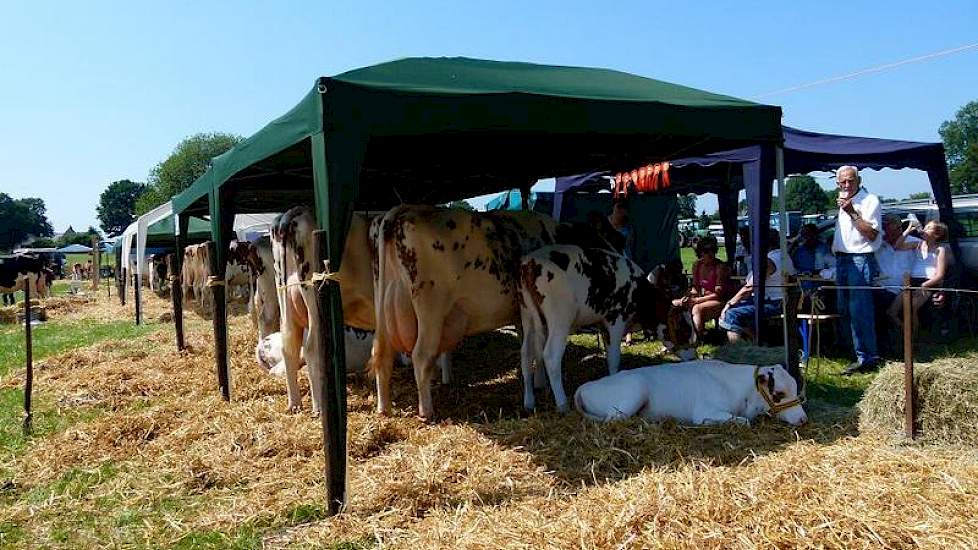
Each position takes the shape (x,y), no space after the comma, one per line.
(166,448)
(946,401)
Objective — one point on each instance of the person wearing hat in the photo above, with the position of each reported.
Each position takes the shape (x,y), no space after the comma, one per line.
(711,284)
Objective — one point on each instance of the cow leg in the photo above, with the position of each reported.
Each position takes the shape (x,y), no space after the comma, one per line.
(553,355)
(445,364)
(423,357)
(314,370)
(615,333)
(531,353)
(291,344)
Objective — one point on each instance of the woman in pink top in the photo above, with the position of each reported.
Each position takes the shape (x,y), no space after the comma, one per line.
(711,284)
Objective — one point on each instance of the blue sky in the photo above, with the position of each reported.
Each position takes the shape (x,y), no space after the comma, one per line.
(98,91)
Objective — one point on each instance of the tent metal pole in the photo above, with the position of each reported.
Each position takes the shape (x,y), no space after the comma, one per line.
(176,276)
(779,171)
(330,343)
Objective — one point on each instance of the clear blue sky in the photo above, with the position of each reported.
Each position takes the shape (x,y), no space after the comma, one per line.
(92,92)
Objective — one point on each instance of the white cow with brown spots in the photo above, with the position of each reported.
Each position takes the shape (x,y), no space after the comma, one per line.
(292,250)
(442,275)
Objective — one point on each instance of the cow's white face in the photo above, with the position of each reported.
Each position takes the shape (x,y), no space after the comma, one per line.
(782,388)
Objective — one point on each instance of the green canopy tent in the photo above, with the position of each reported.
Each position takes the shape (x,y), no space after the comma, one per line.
(433,130)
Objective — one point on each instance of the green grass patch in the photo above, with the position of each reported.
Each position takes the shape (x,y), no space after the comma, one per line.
(56,337)
(243,538)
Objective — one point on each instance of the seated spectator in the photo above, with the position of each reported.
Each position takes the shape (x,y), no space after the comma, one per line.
(737,317)
(670,279)
(711,285)
(931,264)
(810,256)
(742,252)
(894,264)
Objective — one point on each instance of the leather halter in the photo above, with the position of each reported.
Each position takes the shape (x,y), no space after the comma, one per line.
(773,408)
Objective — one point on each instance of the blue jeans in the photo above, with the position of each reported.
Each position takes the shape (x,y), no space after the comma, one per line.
(740,317)
(856,306)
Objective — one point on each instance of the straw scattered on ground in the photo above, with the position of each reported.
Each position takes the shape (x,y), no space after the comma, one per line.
(160,459)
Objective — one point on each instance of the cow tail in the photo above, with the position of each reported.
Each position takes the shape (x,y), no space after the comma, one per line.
(530,295)
(380,285)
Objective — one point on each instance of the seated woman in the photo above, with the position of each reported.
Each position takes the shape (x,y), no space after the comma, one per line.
(930,265)
(737,316)
(711,285)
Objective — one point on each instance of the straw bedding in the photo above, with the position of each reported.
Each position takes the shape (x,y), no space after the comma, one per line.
(165,447)
(946,400)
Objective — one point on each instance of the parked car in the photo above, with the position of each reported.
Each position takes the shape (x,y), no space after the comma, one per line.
(690,232)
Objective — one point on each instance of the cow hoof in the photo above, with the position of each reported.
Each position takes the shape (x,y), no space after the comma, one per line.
(563,409)
(526,413)
(295,409)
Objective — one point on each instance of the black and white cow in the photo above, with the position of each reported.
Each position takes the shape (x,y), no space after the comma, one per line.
(13,269)
(695,392)
(563,287)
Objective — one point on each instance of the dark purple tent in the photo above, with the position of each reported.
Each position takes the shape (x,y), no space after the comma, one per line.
(753,169)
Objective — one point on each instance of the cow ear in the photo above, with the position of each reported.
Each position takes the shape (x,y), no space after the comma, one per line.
(762,378)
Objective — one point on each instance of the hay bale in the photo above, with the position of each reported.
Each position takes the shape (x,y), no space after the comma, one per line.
(946,402)
(8,314)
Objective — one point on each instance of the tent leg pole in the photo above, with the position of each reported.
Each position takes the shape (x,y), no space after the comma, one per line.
(789,361)
(333,390)
(138,299)
(176,297)
(218,296)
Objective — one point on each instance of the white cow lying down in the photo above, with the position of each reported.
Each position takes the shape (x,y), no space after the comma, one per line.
(268,352)
(694,392)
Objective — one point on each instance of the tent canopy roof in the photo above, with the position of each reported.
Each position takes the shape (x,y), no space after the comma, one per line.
(438,129)
(803,152)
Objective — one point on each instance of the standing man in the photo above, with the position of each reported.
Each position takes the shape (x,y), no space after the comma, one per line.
(857,237)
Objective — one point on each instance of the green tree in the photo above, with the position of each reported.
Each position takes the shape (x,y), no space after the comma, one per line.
(960,138)
(70,236)
(831,196)
(687,205)
(918,196)
(884,200)
(22,218)
(117,205)
(803,193)
(188,161)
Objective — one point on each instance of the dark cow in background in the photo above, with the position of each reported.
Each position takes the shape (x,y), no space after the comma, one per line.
(566,287)
(159,281)
(444,274)
(13,269)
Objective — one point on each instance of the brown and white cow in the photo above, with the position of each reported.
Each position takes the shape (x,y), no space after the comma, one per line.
(292,250)
(566,287)
(442,275)
(196,270)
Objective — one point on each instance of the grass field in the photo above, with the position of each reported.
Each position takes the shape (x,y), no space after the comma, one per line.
(135,448)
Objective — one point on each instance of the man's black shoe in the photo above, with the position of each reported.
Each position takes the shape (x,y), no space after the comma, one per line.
(859,368)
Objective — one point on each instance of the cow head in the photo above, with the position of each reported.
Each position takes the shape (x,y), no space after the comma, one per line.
(673,326)
(780,392)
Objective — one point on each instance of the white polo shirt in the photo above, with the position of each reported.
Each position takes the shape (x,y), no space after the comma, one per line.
(894,263)
(847,238)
